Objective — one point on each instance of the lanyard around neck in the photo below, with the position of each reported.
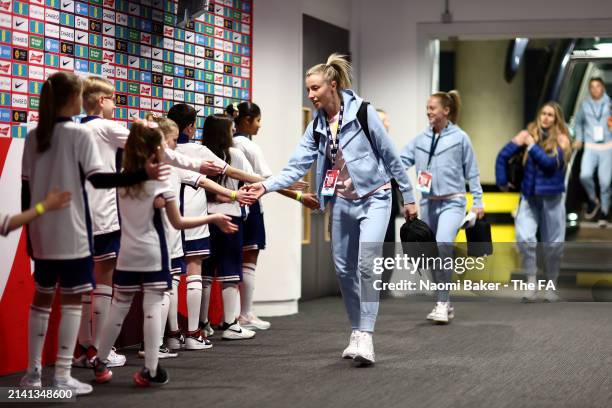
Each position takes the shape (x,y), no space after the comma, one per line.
(334,141)
(597,115)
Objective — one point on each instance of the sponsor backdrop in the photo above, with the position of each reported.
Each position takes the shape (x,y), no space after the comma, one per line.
(153,65)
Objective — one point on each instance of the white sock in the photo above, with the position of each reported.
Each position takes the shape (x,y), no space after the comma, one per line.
(173,310)
(85,328)
(151,330)
(204,306)
(247,287)
(119,309)
(194,298)
(68,331)
(165,308)
(37,330)
(230,297)
(100,303)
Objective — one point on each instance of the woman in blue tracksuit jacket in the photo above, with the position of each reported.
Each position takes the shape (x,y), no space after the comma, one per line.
(542,205)
(593,133)
(444,161)
(361,199)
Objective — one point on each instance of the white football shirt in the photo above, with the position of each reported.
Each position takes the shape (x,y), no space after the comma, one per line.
(144,236)
(72,157)
(239,161)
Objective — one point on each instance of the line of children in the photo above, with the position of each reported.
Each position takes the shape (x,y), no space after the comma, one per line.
(144,258)
(110,137)
(62,153)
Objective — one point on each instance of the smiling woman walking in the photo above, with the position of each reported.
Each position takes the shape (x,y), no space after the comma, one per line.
(355,162)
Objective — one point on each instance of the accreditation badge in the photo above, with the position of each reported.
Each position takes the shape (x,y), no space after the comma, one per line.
(424,180)
(598,134)
(329,184)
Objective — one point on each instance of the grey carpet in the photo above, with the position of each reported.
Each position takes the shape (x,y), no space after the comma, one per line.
(495,354)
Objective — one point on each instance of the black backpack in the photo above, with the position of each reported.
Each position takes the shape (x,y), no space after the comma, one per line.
(362,118)
(418,239)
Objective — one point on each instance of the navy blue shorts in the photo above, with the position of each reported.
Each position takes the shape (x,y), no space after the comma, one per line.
(254,236)
(132,281)
(178,266)
(72,275)
(197,247)
(106,246)
(225,261)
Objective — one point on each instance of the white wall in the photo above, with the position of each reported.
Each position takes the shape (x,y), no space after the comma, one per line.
(277,89)
(336,12)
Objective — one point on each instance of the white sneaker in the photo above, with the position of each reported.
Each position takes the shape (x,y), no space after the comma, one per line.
(115,360)
(73,384)
(551,296)
(31,380)
(440,312)
(175,341)
(351,350)
(253,322)
(164,352)
(530,296)
(235,332)
(195,341)
(365,349)
(451,313)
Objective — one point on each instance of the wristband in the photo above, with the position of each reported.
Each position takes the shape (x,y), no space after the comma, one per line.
(233,195)
(299,196)
(39,208)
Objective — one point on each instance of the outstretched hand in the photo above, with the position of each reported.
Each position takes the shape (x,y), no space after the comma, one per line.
(209,168)
(57,199)
(310,201)
(257,189)
(225,224)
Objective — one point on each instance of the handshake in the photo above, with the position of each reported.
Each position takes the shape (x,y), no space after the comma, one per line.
(309,200)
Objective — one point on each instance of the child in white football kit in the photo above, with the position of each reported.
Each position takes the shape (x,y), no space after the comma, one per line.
(110,137)
(144,258)
(196,243)
(247,117)
(225,262)
(62,153)
(193,180)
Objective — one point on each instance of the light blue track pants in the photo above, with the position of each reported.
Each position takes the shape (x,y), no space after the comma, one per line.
(547,213)
(354,222)
(444,217)
(600,160)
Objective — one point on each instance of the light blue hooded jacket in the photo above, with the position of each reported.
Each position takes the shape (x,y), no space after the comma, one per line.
(587,118)
(368,169)
(452,164)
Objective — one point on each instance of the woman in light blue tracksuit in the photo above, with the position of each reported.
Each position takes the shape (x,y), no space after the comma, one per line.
(542,206)
(360,199)
(593,133)
(444,160)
